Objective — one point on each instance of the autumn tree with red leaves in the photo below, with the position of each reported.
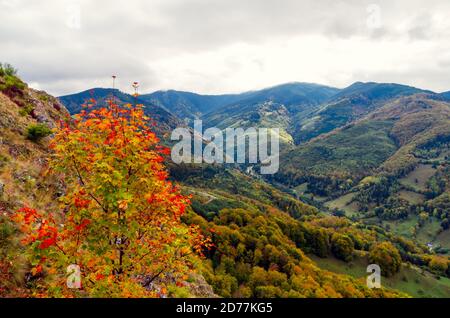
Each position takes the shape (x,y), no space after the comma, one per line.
(120,218)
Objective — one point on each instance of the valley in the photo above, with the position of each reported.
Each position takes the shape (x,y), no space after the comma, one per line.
(363,178)
(372,153)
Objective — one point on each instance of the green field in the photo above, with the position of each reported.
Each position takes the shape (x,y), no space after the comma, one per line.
(411,197)
(344,203)
(443,239)
(410,280)
(340,202)
(417,179)
(301,189)
(428,232)
(348,152)
(402,227)
(443,156)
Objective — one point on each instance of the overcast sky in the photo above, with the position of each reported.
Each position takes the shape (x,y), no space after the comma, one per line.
(221,46)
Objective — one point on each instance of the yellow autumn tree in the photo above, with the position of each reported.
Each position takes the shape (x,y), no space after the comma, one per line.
(120,218)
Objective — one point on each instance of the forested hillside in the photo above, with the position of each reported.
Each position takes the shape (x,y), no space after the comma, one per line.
(370,191)
(349,176)
(389,168)
(100,97)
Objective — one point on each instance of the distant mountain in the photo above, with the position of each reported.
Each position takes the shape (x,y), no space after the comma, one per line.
(74,102)
(348,105)
(302,111)
(292,95)
(277,106)
(188,105)
(383,168)
(446,95)
(277,245)
(165,121)
(386,140)
(378,91)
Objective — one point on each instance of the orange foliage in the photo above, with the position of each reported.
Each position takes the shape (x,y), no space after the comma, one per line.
(120,217)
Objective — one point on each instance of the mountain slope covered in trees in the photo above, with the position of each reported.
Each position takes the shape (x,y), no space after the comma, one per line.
(74,103)
(265,270)
(294,235)
(190,105)
(348,105)
(389,168)
(391,133)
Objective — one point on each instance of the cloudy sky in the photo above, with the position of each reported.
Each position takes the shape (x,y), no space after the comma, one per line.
(218,46)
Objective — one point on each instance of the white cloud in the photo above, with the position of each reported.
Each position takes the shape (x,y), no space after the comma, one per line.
(214,46)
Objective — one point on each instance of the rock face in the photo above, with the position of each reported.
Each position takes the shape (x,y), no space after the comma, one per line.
(200,288)
(196,286)
(22,163)
(21,160)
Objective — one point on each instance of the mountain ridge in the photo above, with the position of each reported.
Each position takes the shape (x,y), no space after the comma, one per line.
(263,237)
(164,119)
